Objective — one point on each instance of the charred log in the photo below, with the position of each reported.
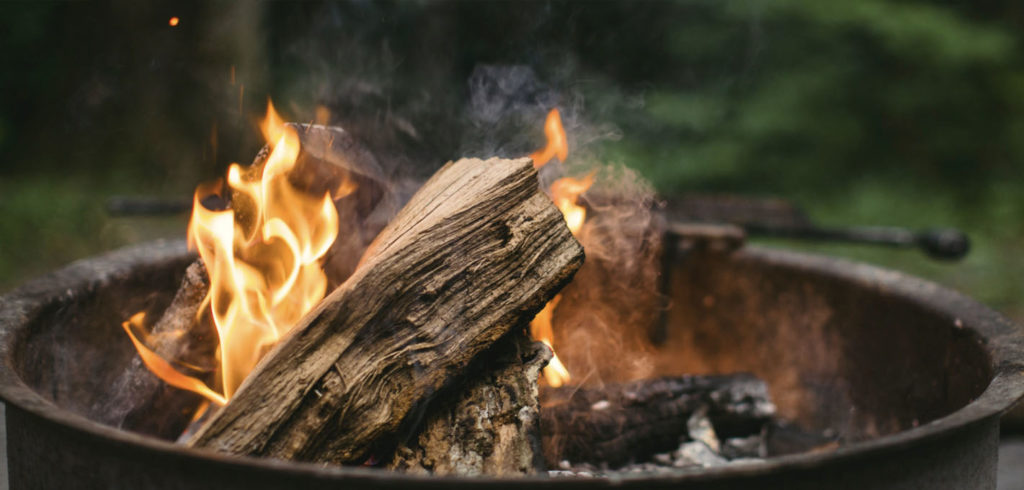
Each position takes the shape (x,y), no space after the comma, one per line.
(476,252)
(620,423)
(187,337)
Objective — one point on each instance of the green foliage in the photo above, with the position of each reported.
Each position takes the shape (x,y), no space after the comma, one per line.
(902,112)
(51,221)
(829,93)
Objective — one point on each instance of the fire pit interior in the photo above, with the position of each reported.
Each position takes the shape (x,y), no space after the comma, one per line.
(848,351)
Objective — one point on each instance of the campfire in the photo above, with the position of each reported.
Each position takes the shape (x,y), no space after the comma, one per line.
(438,348)
(513,317)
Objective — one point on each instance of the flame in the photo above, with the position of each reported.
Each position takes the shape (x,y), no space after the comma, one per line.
(162,368)
(263,259)
(565,193)
(558,145)
(555,372)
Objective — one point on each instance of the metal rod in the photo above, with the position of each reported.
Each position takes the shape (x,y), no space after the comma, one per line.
(938,243)
(120,206)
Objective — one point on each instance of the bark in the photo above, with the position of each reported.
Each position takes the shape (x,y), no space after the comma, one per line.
(490,426)
(476,252)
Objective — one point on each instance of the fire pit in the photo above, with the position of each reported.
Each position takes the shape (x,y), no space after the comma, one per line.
(912,376)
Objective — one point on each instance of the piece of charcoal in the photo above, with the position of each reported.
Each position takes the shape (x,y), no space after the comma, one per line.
(743,447)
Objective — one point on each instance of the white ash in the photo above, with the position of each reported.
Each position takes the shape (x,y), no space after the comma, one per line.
(700,429)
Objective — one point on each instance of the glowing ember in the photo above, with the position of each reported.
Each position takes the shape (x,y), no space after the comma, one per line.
(565,192)
(263,259)
(173,21)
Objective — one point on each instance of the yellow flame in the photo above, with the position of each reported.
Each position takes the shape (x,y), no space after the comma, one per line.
(565,193)
(262,256)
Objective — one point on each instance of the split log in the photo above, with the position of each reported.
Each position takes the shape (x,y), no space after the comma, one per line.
(491,424)
(184,336)
(476,252)
(620,423)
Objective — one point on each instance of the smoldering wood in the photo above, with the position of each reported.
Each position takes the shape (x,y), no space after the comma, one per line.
(620,423)
(491,423)
(188,339)
(476,252)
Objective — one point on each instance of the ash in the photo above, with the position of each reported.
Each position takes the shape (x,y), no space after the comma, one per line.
(699,448)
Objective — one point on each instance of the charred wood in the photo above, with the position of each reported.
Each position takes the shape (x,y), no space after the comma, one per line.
(621,423)
(185,336)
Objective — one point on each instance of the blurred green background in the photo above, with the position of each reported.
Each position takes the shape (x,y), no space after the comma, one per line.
(899,112)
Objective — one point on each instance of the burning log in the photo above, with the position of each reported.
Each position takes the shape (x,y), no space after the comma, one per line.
(182,334)
(491,427)
(476,252)
(618,423)
(330,161)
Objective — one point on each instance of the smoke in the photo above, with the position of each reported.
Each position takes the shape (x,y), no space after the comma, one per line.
(602,321)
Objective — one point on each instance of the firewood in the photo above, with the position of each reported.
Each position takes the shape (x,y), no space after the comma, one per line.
(620,423)
(329,160)
(476,252)
(184,336)
(490,425)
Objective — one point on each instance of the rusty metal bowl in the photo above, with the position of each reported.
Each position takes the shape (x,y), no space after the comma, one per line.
(912,375)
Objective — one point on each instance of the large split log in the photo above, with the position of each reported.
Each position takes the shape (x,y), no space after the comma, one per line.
(476,252)
(491,424)
(619,423)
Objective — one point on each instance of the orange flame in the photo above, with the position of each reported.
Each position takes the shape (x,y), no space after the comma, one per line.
(558,145)
(565,193)
(162,368)
(263,259)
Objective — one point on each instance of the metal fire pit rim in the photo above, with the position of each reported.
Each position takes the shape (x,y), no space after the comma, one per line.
(1005,347)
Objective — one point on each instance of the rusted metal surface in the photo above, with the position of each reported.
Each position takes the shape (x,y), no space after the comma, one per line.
(926,371)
